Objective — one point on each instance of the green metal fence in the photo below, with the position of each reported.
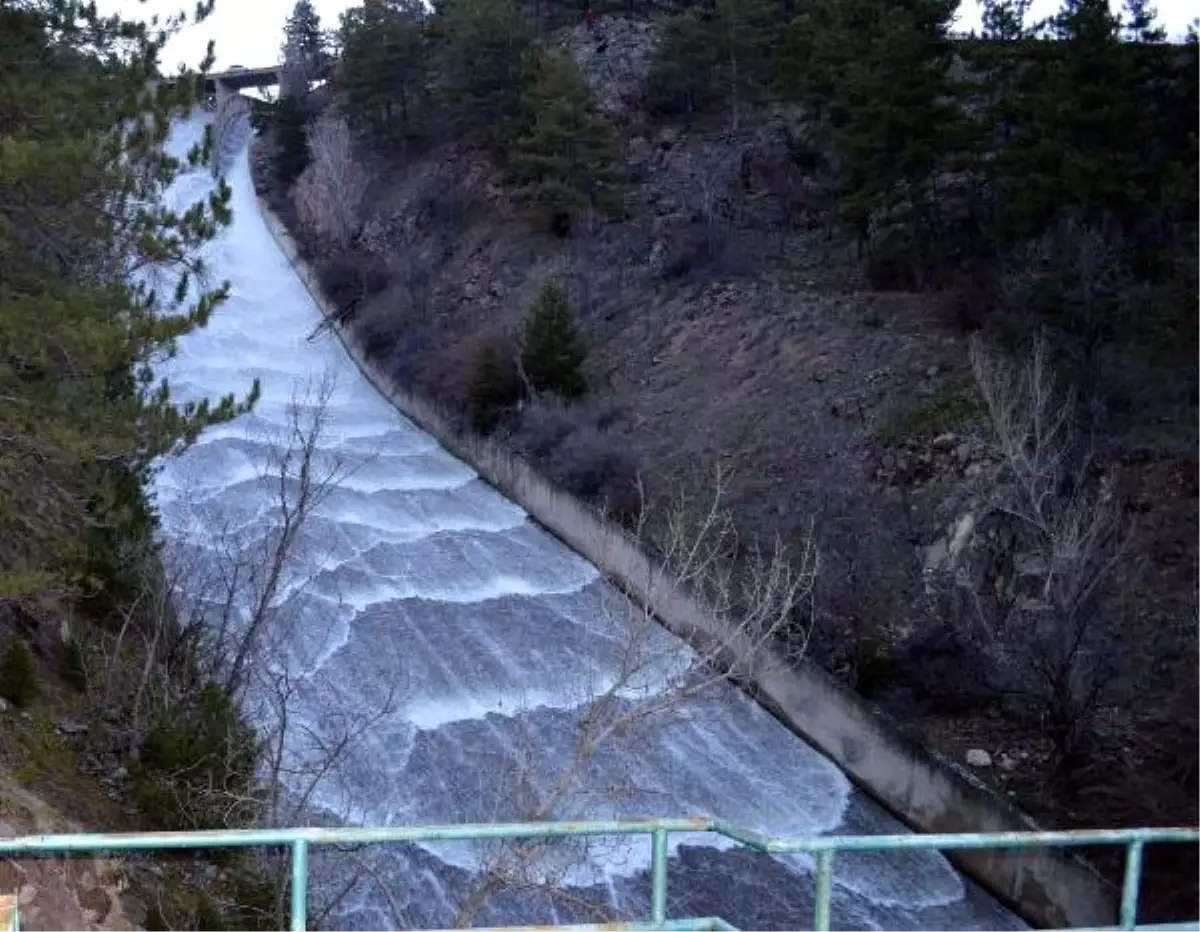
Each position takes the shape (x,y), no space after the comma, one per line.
(823,849)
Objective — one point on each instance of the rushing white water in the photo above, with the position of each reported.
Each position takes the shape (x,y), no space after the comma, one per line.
(419,592)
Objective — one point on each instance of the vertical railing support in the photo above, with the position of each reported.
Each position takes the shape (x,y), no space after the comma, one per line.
(299,885)
(658,877)
(1132,885)
(10,914)
(824,891)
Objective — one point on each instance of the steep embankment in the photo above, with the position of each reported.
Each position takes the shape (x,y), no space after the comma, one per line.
(728,326)
(927,794)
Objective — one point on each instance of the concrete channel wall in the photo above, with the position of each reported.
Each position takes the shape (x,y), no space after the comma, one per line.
(1049,888)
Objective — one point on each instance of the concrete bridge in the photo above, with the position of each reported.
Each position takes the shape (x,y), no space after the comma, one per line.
(222,84)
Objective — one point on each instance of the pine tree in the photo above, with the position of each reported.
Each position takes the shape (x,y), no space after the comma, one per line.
(291,139)
(745,34)
(305,49)
(81,412)
(705,57)
(385,70)
(1005,21)
(564,158)
(684,73)
(1083,119)
(879,73)
(819,45)
(494,388)
(552,352)
(485,46)
(1179,102)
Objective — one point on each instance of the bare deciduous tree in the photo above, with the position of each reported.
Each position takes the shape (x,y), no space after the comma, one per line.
(220,613)
(655,676)
(330,192)
(1043,601)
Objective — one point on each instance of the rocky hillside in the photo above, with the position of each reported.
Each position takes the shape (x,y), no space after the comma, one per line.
(730,328)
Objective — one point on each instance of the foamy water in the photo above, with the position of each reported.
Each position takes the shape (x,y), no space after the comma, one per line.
(418,589)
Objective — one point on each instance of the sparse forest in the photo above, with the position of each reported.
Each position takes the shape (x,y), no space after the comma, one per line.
(1023,197)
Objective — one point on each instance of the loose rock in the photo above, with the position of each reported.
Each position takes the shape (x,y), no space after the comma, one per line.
(977,757)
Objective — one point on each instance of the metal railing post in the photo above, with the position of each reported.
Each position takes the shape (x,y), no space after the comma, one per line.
(824,890)
(299,885)
(10,914)
(1132,886)
(658,877)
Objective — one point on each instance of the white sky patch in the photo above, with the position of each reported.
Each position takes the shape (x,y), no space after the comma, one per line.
(247,32)
(250,32)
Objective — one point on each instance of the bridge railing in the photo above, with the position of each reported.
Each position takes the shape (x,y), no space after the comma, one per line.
(822,848)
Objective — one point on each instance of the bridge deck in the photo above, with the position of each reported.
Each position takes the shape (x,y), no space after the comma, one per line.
(241,78)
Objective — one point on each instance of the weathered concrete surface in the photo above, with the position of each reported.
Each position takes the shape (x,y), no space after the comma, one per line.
(231,129)
(1046,887)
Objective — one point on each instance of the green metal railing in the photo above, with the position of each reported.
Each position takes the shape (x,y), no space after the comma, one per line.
(822,848)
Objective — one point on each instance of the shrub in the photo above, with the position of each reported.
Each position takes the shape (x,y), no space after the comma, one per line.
(197,764)
(18,673)
(544,424)
(74,667)
(701,255)
(951,408)
(155,920)
(942,666)
(552,352)
(597,466)
(495,387)
(209,916)
(348,278)
(872,666)
(574,447)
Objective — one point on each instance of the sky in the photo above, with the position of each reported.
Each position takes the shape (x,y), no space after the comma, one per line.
(250,32)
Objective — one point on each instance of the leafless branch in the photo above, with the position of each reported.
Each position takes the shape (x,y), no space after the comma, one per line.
(1057,541)
(655,676)
(330,192)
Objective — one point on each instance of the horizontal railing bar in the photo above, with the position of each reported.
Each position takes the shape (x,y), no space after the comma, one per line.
(353,835)
(773,845)
(994,841)
(341,835)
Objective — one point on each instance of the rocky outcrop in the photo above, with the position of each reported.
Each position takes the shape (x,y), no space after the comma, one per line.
(613,57)
(57,893)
